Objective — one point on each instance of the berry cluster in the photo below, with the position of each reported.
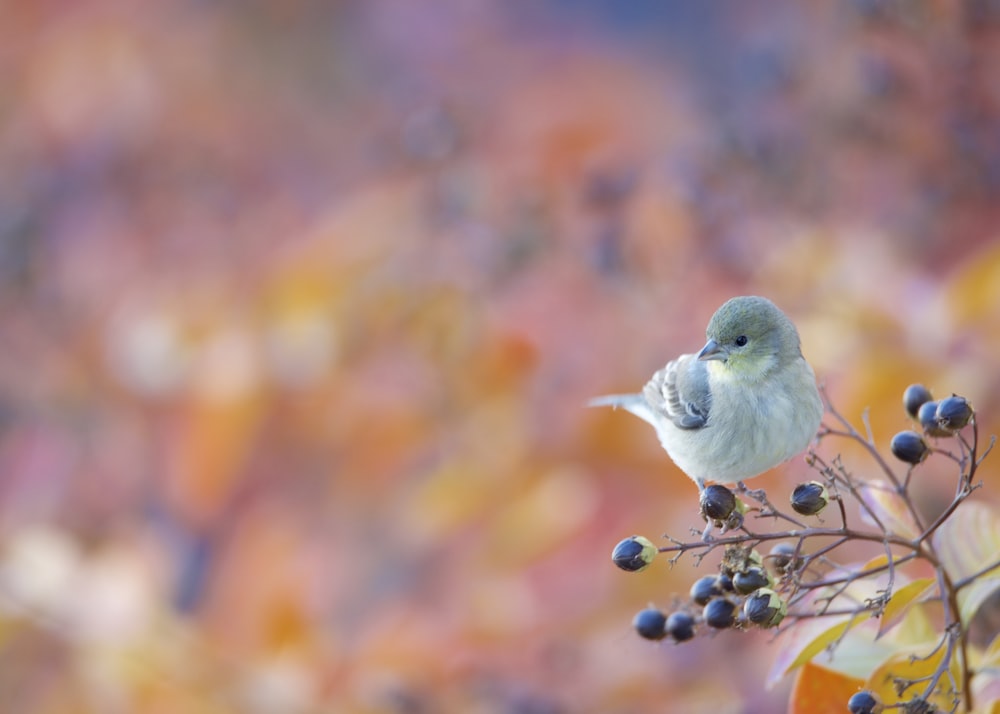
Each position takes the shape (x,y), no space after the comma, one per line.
(739,595)
(798,578)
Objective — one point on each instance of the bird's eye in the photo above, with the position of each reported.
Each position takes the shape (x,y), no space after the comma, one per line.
(741,340)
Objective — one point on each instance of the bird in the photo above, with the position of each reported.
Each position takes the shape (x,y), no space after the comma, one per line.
(745,403)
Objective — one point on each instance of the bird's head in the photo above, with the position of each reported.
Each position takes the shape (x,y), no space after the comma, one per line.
(748,338)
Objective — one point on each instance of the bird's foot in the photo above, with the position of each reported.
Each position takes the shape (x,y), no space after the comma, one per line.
(706,536)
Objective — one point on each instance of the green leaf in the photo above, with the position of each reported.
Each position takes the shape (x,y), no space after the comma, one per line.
(900,603)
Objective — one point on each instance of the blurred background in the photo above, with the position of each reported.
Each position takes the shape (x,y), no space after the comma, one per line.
(300,303)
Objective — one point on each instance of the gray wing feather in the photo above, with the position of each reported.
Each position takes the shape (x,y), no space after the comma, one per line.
(680,392)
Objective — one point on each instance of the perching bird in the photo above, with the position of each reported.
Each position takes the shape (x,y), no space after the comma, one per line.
(744,404)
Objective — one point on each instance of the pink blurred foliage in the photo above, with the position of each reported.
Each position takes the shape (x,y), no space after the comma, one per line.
(300,304)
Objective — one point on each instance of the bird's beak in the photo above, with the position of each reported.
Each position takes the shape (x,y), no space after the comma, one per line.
(712,350)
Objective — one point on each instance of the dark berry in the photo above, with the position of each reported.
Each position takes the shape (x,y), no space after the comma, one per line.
(725,582)
(783,557)
(704,589)
(927,416)
(765,608)
(915,396)
(909,447)
(680,626)
(650,623)
(736,558)
(864,702)
(634,554)
(746,581)
(808,499)
(953,413)
(720,613)
(717,502)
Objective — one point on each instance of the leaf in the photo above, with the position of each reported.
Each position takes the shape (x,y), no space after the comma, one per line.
(971,598)
(968,544)
(986,690)
(916,667)
(991,657)
(900,602)
(879,561)
(818,690)
(807,641)
(890,509)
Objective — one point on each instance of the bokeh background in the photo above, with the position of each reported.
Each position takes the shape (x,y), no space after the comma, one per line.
(300,303)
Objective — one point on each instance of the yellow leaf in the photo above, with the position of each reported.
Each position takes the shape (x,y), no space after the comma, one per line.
(914,666)
(801,648)
(879,561)
(901,599)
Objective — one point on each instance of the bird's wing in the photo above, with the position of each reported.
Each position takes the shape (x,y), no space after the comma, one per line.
(681,393)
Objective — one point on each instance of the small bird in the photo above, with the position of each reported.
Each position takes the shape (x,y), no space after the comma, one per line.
(744,404)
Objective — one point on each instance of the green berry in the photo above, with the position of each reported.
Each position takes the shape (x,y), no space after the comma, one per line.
(650,624)
(915,396)
(634,554)
(909,447)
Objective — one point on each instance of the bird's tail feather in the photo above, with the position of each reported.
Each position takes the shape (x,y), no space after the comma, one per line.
(634,403)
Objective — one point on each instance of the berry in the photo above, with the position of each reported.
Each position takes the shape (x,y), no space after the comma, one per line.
(704,589)
(765,608)
(720,613)
(909,447)
(864,702)
(927,416)
(783,557)
(953,413)
(650,624)
(808,499)
(725,582)
(746,581)
(717,502)
(736,558)
(634,554)
(680,626)
(915,396)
